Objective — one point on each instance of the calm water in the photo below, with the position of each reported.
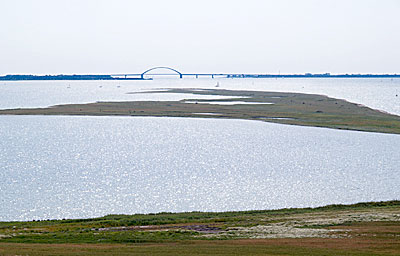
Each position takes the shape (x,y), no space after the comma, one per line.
(73,167)
(376,93)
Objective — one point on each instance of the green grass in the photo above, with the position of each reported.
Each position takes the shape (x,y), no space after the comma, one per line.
(89,237)
(87,230)
(165,237)
(188,217)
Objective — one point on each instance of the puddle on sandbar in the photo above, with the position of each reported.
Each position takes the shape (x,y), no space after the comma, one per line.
(212,114)
(229,102)
(277,118)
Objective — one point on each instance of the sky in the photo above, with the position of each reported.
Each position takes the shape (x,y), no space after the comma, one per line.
(227,36)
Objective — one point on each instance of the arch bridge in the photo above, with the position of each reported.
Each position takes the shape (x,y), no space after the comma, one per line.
(168,68)
(181,75)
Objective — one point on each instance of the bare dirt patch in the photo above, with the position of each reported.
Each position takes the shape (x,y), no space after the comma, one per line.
(313,225)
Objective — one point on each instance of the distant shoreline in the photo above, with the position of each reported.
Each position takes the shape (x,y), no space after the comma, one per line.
(193,75)
(63,77)
(319,76)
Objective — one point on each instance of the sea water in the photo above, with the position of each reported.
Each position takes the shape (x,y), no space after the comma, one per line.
(78,167)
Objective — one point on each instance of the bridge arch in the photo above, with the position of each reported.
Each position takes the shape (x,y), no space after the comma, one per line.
(151,69)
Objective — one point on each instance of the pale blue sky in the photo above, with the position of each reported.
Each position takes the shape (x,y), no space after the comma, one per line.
(252,36)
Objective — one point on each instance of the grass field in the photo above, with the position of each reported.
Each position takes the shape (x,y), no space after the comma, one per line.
(360,229)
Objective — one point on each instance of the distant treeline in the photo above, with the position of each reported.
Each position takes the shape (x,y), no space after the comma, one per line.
(61,77)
